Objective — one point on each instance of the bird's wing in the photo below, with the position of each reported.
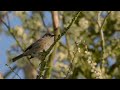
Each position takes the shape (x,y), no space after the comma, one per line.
(31,46)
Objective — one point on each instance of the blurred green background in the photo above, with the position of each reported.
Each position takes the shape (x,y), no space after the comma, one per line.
(89,50)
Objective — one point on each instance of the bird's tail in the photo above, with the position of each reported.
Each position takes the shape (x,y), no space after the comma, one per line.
(18,57)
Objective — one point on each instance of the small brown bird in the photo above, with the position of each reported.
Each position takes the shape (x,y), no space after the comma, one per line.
(39,46)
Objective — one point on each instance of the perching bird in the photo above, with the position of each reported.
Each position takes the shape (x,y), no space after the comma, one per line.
(39,46)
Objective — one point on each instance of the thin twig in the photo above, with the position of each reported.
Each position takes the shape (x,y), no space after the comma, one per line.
(102,35)
(41,69)
(9,29)
(64,32)
(55,20)
(13,70)
(16,72)
(41,15)
(71,64)
(67,39)
(72,61)
(9,72)
(68,49)
(98,19)
(45,53)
